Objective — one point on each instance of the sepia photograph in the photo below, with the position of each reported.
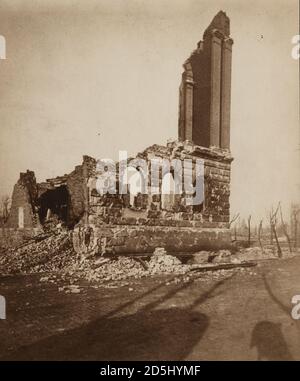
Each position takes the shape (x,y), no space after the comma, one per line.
(150,183)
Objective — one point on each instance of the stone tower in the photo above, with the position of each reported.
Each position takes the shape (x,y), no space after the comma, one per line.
(204,100)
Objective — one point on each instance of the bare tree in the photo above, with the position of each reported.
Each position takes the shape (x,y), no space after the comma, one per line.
(273,223)
(295,216)
(259,234)
(235,232)
(284,227)
(271,230)
(234,218)
(249,230)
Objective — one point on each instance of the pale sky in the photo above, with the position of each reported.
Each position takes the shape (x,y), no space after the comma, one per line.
(98,76)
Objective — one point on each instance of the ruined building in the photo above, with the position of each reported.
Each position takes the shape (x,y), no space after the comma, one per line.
(140,221)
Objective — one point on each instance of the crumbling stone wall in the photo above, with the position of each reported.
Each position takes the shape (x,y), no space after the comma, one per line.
(30,195)
(109,223)
(77,188)
(217,191)
(75,183)
(24,196)
(119,227)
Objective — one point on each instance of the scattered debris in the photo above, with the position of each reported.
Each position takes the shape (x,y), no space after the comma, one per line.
(161,262)
(44,279)
(222,256)
(54,255)
(70,289)
(51,254)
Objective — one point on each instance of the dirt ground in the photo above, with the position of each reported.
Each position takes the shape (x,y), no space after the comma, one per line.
(233,315)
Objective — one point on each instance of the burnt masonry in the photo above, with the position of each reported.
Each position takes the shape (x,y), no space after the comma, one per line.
(138,223)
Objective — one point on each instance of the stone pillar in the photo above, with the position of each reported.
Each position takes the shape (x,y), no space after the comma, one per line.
(204,106)
(226,93)
(181,126)
(215,96)
(189,110)
(186,104)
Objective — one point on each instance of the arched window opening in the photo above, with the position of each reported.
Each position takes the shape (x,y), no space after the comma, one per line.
(135,180)
(168,192)
(198,196)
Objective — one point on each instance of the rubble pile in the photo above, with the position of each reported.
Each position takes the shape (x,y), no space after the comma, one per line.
(121,268)
(50,254)
(118,268)
(53,253)
(161,262)
(222,256)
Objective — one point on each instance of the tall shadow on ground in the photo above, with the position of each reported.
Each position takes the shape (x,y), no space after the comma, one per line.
(284,308)
(157,335)
(148,334)
(267,336)
(268,339)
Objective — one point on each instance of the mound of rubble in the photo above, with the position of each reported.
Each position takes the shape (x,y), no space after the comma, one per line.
(53,253)
(161,262)
(104,269)
(121,268)
(50,253)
